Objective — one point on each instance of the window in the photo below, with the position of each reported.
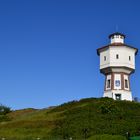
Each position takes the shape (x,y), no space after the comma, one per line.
(117,56)
(117,83)
(112,37)
(129,58)
(108,83)
(104,58)
(126,83)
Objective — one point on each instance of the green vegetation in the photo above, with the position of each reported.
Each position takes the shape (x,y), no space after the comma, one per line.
(107,137)
(3,111)
(135,138)
(91,119)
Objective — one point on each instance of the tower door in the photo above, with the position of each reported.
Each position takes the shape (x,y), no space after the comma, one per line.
(118,96)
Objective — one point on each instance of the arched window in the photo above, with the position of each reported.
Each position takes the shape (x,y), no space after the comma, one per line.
(126,83)
(108,83)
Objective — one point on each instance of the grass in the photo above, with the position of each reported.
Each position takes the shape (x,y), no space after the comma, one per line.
(91,119)
(107,137)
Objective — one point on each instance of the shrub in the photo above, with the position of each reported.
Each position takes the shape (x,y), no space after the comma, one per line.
(4,110)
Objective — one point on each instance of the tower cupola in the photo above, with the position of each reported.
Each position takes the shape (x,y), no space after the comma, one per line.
(117,38)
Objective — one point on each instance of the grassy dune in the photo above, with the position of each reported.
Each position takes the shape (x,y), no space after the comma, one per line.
(91,119)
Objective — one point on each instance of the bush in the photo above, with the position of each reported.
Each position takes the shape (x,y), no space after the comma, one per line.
(108,107)
(4,110)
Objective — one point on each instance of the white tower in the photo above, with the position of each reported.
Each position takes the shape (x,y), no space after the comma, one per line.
(117,62)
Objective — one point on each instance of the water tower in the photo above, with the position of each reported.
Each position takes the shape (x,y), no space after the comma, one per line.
(117,63)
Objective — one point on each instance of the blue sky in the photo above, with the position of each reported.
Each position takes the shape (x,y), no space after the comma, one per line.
(48,48)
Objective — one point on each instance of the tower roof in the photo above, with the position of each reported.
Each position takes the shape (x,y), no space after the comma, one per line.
(115,44)
(116,33)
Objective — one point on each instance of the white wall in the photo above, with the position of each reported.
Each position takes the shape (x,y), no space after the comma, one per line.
(124,54)
(125,95)
(108,94)
(103,54)
(123,61)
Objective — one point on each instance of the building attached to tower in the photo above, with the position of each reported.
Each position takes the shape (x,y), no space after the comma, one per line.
(117,63)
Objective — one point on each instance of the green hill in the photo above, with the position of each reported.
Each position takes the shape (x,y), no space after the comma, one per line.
(91,119)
